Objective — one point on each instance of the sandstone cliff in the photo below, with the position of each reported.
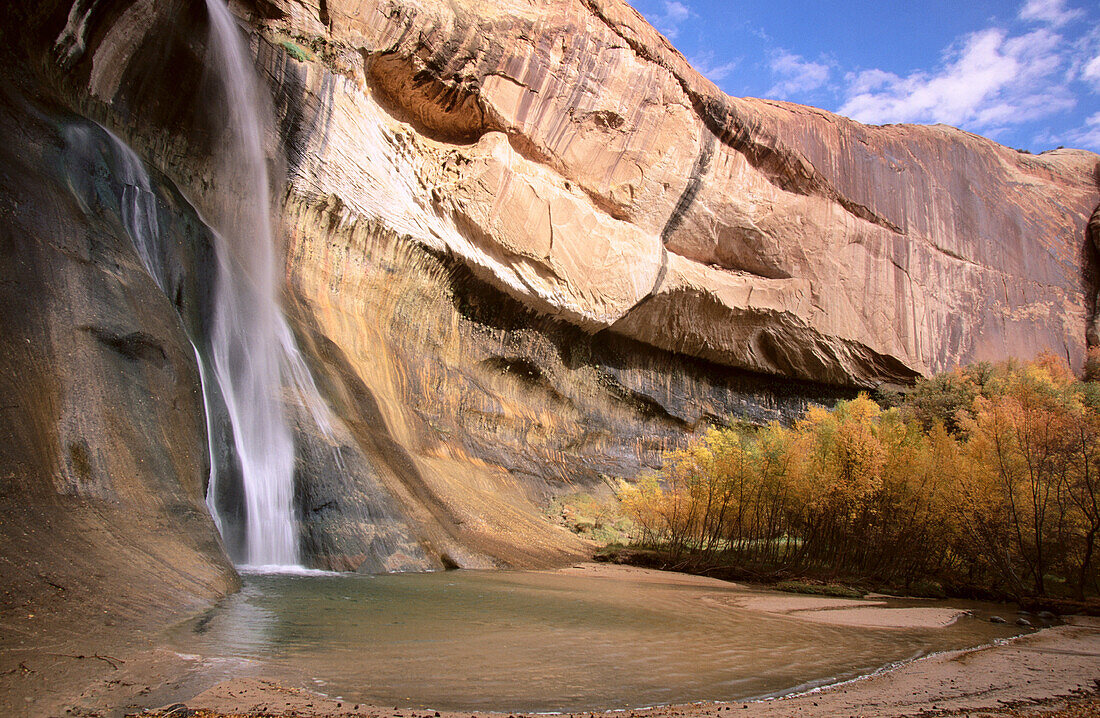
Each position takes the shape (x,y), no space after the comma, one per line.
(103,451)
(527,248)
(575,161)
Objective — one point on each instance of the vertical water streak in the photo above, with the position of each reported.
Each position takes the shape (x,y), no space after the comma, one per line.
(89,144)
(212,479)
(138,212)
(246,339)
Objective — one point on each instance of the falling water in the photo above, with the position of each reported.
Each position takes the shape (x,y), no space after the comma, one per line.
(89,144)
(249,339)
(252,349)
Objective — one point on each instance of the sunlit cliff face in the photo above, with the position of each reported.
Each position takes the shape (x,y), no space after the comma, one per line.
(579,165)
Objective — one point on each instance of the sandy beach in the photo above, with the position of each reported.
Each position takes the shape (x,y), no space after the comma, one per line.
(862,613)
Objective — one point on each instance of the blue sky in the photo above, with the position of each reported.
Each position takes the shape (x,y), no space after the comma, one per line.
(1026,74)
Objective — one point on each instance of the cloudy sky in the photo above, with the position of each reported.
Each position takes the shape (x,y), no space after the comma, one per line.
(1026,74)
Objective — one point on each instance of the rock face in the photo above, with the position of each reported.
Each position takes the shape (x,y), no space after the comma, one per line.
(103,450)
(574,161)
(528,248)
(548,246)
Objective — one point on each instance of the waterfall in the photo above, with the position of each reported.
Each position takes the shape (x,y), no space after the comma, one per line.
(251,354)
(249,340)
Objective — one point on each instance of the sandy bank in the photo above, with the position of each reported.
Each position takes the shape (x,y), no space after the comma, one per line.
(850,612)
(860,613)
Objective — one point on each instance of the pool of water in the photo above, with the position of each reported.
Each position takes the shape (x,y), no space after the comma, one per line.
(541,641)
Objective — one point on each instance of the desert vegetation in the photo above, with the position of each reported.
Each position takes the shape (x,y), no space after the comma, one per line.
(980,481)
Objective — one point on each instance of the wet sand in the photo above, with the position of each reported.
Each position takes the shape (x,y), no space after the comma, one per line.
(1042,668)
(859,613)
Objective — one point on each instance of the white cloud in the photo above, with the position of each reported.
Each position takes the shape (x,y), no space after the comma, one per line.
(669,21)
(1052,12)
(704,62)
(796,75)
(990,80)
(1090,73)
(1087,136)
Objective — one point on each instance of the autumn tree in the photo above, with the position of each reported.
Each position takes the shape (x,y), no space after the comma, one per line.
(985,477)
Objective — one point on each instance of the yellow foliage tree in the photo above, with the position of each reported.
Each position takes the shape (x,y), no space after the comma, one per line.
(989,478)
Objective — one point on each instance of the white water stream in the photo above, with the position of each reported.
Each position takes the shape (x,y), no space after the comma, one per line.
(252,349)
(249,339)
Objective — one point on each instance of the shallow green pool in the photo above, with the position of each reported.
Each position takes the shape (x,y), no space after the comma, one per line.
(532,641)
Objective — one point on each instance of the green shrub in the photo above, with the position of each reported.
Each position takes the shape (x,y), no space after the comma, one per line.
(294,50)
(927,588)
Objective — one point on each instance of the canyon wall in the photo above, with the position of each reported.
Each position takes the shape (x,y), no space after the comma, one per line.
(104,530)
(528,248)
(574,161)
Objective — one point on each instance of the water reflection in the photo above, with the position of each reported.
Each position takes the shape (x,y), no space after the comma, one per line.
(544,641)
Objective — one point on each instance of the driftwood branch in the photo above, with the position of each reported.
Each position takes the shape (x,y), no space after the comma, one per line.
(109,660)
